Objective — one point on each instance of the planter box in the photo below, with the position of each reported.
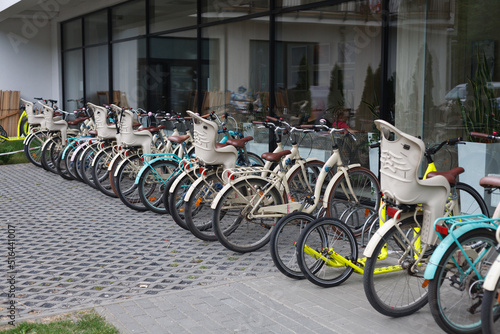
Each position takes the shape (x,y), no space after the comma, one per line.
(478,160)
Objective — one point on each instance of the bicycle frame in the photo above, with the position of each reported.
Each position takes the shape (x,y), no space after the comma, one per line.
(19,130)
(280,181)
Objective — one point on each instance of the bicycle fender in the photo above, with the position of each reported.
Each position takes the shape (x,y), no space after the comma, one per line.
(66,149)
(119,165)
(27,137)
(229,186)
(334,179)
(112,162)
(46,143)
(446,243)
(219,195)
(491,279)
(188,194)
(176,182)
(93,160)
(145,167)
(78,149)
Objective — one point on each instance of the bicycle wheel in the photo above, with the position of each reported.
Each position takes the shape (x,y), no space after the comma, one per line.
(152,184)
(283,242)
(197,209)
(48,151)
(100,174)
(315,246)
(355,208)
(4,134)
(64,164)
(253,160)
(176,204)
(490,310)
(33,147)
(61,167)
(391,287)
(471,203)
(234,227)
(124,183)
(455,292)
(166,193)
(303,181)
(86,165)
(75,164)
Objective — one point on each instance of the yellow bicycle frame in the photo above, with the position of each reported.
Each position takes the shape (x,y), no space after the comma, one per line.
(19,130)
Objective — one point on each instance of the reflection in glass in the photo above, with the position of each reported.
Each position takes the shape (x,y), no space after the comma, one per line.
(96,75)
(171,14)
(174,62)
(73,78)
(129,19)
(72,34)
(96,28)
(131,80)
(225,9)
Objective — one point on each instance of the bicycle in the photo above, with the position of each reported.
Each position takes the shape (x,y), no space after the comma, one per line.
(200,195)
(246,209)
(212,158)
(406,239)
(458,267)
(26,114)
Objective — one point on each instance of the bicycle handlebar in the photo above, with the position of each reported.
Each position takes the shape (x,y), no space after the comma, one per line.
(484,136)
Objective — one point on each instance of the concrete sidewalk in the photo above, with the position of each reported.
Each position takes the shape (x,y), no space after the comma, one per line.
(77,248)
(270,304)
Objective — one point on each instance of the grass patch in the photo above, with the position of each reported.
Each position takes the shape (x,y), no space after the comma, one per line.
(11,146)
(85,322)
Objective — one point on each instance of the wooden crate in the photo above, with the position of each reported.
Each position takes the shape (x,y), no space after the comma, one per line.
(9,111)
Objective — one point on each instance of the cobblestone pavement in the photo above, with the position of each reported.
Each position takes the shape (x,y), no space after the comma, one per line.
(76,247)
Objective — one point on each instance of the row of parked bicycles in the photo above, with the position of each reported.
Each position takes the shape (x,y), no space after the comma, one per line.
(427,240)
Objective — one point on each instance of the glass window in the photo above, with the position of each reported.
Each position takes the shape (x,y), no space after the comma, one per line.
(96,28)
(171,14)
(96,75)
(328,67)
(130,78)
(72,34)
(237,68)
(73,78)
(129,19)
(173,65)
(226,9)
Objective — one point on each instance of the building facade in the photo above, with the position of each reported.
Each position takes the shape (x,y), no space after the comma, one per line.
(429,66)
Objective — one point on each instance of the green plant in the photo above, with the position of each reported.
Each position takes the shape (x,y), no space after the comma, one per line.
(479,111)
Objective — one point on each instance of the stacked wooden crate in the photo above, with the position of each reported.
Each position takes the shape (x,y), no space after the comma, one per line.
(9,111)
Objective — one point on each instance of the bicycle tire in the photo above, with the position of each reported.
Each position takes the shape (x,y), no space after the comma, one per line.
(176,204)
(88,156)
(55,150)
(47,159)
(24,127)
(253,160)
(64,166)
(3,133)
(100,174)
(33,147)
(454,295)
(76,170)
(396,293)
(283,242)
(490,310)
(234,229)
(197,209)
(151,189)
(61,167)
(471,203)
(301,185)
(356,210)
(124,183)
(323,236)
(166,193)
